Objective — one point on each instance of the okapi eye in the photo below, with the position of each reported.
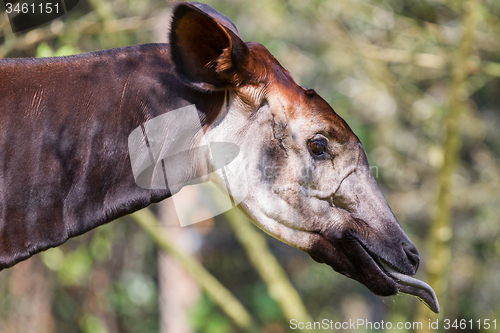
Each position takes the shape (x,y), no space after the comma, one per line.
(318,147)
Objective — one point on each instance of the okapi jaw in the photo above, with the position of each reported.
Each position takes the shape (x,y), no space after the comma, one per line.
(329,207)
(308,179)
(326,204)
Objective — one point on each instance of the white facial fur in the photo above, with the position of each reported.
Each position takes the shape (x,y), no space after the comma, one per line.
(290,193)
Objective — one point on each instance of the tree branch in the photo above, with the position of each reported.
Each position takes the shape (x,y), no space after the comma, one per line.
(219,294)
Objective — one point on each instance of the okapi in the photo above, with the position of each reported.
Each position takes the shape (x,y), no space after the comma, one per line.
(65,167)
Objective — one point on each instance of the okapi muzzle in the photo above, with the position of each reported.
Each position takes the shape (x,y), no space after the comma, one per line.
(65,166)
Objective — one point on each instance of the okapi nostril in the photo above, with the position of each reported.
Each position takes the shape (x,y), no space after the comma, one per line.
(412,254)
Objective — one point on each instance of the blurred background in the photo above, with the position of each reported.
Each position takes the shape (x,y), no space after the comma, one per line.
(419,83)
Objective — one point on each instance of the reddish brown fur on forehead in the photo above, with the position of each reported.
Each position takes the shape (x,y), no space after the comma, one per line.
(322,112)
(267,68)
(300,102)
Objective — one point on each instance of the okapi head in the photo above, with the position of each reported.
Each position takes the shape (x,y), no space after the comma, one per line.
(308,179)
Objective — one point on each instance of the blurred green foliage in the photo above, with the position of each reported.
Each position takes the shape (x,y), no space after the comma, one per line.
(385,66)
(206,318)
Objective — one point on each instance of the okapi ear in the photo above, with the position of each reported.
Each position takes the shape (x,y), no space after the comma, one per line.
(206,48)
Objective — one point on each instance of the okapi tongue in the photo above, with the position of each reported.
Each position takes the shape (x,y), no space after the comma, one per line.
(415,287)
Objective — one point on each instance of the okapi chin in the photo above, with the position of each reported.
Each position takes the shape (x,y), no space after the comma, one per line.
(65,167)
